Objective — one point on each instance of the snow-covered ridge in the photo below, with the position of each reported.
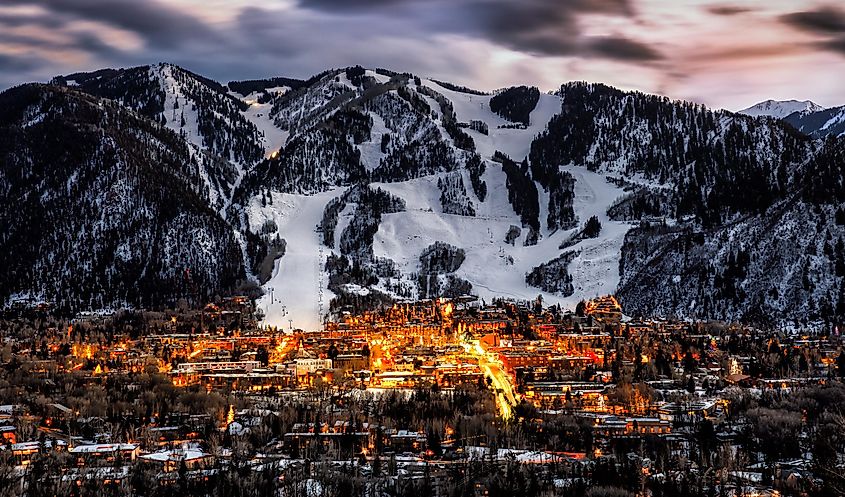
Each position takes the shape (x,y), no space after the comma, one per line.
(819,124)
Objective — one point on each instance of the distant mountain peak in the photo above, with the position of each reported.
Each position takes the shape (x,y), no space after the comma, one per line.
(781,108)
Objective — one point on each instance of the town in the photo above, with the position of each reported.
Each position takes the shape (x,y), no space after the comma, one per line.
(434,397)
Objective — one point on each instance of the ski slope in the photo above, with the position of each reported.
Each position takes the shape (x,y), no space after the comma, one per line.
(514,142)
(273,138)
(595,270)
(297,288)
(495,268)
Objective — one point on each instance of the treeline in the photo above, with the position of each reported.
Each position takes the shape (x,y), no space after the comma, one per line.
(245,87)
(357,264)
(453,195)
(516,103)
(553,276)
(522,194)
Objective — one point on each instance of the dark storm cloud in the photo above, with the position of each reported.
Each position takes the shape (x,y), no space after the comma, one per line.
(354,5)
(822,21)
(827,22)
(52,23)
(12,63)
(85,42)
(537,27)
(624,49)
(155,22)
(41,20)
(54,41)
(280,42)
(558,5)
(836,45)
(259,40)
(727,10)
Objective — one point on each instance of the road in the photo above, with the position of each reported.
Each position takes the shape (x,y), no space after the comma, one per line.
(501,383)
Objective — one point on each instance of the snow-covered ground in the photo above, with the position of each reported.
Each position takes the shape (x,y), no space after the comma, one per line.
(595,271)
(371,154)
(514,142)
(273,137)
(494,267)
(298,286)
(177,105)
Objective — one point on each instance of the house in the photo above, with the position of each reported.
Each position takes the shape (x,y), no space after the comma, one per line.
(170,460)
(23,451)
(103,454)
(407,441)
(306,363)
(8,434)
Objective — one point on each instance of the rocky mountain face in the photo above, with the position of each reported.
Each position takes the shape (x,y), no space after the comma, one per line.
(359,187)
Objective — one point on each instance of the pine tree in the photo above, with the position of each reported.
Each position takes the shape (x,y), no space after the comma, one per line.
(592,227)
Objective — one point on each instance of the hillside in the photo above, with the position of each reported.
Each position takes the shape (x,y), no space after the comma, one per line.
(739,216)
(821,123)
(361,187)
(104,208)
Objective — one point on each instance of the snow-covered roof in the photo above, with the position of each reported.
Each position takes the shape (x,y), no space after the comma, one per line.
(94,448)
(184,454)
(25,446)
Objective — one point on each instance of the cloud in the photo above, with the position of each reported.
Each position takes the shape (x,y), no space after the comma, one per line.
(727,10)
(44,20)
(305,37)
(18,63)
(158,24)
(356,6)
(361,6)
(83,41)
(835,45)
(823,21)
(827,22)
(624,49)
(537,27)
(678,47)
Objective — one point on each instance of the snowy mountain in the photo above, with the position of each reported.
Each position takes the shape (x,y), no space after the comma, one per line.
(739,217)
(391,167)
(807,117)
(103,208)
(360,187)
(819,124)
(781,108)
(219,128)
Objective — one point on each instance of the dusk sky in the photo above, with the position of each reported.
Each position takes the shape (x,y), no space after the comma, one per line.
(725,54)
